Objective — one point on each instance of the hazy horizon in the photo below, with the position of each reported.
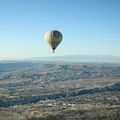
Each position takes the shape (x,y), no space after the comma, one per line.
(69,58)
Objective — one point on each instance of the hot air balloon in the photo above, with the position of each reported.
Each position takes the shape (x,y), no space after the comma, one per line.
(54,38)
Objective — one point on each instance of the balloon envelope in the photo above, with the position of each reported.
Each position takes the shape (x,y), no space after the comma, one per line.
(54,38)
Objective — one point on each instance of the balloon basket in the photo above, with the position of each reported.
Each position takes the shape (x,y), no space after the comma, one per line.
(53,51)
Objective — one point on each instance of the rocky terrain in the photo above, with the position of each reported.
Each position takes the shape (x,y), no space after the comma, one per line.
(32,90)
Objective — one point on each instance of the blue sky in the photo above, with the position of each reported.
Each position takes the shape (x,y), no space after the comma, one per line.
(89,27)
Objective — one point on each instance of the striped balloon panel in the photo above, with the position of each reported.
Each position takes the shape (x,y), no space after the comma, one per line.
(54,38)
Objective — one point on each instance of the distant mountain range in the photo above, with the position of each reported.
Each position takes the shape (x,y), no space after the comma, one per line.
(79,58)
(71,58)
